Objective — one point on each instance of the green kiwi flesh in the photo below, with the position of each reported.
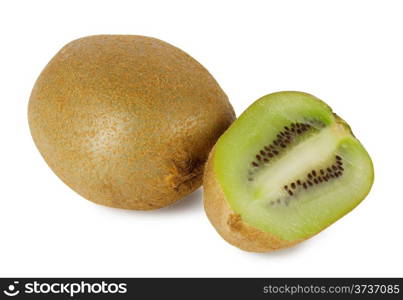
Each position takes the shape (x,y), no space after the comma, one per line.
(290,167)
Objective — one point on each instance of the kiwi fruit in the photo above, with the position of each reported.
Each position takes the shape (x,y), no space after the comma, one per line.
(287,168)
(127,121)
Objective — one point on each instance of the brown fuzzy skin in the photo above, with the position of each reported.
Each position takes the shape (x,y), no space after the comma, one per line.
(127,121)
(229,224)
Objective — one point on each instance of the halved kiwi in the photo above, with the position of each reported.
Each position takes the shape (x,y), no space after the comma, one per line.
(285,170)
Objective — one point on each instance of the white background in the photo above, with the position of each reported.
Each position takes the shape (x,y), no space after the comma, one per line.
(348,53)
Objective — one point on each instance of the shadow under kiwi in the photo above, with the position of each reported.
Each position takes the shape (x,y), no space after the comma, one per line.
(188,203)
(285,252)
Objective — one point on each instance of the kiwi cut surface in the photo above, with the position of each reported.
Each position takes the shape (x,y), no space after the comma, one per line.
(285,170)
(127,121)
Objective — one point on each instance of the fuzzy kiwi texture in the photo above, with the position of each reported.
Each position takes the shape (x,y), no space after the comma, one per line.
(287,168)
(127,121)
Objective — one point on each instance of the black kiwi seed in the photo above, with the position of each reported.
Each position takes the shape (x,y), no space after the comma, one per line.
(326,178)
(329,170)
(339,162)
(285,137)
(341,168)
(320,179)
(286,187)
(334,167)
(316,181)
(290,192)
(338,157)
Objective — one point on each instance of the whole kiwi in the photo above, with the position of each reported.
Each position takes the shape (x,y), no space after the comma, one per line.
(127,121)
